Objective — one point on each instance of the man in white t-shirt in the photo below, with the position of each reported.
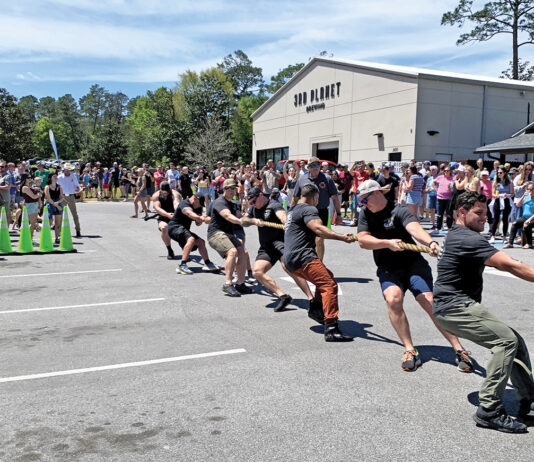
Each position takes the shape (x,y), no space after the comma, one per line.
(70,186)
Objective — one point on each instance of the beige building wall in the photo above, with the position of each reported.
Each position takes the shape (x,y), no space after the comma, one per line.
(466,115)
(368,103)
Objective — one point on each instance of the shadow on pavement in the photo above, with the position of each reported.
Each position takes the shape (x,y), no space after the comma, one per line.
(446,355)
(90,236)
(510,401)
(358,280)
(357,330)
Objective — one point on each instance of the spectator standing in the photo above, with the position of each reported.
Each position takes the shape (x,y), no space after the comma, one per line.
(54,202)
(70,187)
(502,192)
(442,184)
(270,177)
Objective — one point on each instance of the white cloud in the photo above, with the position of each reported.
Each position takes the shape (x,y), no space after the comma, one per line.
(29,76)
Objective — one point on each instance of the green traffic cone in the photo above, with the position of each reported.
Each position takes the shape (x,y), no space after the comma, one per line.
(25,241)
(65,241)
(45,244)
(5,240)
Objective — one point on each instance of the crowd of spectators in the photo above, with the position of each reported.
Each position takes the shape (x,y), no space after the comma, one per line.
(429,190)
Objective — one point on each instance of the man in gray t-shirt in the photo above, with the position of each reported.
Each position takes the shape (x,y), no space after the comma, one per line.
(5,186)
(457,297)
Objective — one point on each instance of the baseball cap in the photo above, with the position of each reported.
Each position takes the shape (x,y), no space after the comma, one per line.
(229,183)
(484,172)
(253,193)
(454,164)
(369,186)
(461,168)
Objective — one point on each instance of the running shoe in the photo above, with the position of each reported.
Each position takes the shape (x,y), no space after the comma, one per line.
(250,278)
(463,361)
(283,302)
(411,360)
(183,269)
(499,420)
(230,290)
(210,267)
(243,289)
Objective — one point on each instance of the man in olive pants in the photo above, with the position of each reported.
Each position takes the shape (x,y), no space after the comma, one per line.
(457,309)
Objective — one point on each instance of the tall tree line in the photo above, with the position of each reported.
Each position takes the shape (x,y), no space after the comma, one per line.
(206,116)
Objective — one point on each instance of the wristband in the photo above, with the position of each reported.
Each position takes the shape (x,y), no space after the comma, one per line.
(435,242)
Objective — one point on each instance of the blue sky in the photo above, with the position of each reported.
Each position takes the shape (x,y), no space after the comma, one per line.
(54,47)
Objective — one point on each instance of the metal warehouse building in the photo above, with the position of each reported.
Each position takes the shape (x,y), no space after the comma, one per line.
(344,111)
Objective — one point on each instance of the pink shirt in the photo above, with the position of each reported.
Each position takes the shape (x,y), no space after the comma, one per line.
(486,188)
(444,189)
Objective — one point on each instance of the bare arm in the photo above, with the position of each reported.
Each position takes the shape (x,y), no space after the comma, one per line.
(504,262)
(281,215)
(188,211)
(157,206)
(420,235)
(369,242)
(227,215)
(284,170)
(322,231)
(47,194)
(176,198)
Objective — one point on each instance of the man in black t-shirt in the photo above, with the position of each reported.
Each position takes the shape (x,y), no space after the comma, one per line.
(458,309)
(388,179)
(221,237)
(184,183)
(271,250)
(381,226)
(302,226)
(187,211)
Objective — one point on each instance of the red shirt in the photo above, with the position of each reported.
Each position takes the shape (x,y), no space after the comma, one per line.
(359,178)
(158,177)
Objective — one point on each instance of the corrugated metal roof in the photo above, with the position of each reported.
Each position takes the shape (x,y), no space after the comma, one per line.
(518,144)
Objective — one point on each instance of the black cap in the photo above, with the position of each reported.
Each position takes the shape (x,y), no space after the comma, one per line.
(253,193)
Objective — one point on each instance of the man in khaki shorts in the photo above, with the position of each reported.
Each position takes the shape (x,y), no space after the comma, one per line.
(222,239)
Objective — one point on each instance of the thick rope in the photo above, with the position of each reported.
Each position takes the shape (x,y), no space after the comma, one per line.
(402,245)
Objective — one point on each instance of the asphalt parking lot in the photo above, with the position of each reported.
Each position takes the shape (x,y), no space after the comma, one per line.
(108,354)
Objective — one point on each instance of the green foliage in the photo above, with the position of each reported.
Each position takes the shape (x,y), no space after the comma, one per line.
(29,104)
(525,71)
(15,130)
(283,76)
(514,17)
(241,124)
(245,78)
(62,134)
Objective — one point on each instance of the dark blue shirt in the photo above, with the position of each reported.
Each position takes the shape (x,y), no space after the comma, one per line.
(327,188)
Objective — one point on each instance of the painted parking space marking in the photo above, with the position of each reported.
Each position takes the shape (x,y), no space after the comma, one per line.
(57,274)
(45,375)
(88,305)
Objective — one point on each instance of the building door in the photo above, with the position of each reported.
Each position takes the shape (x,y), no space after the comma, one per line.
(327,151)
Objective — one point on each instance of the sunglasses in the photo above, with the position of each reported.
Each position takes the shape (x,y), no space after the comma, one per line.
(447,170)
(314,165)
(231,187)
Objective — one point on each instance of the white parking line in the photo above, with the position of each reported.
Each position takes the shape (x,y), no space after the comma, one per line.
(20,378)
(56,274)
(27,310)
(310,285)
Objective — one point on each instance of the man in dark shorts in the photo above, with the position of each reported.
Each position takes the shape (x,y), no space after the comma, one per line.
(165,202)
(221,237)
(458,309)
(271,244)
(187,211)
(300,258)
(327,190)
(381,226)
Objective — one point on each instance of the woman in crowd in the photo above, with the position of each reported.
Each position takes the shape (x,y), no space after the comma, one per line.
(502,192)
(125,183)
(291,177)
(54,201)
(431,195)
(134,177)
(472,182)
(202,182)
(142,193)
(526,221)
(443,187)
(31,193)
(414,190)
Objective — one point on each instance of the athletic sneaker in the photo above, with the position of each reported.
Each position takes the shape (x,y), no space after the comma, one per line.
(183,269)
(463,361)
(283,302)
(210,267)
(499,420)
(230,290)
(526,410)
(411,360)
(250,278)
(243,289)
